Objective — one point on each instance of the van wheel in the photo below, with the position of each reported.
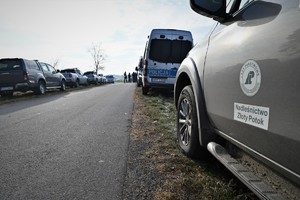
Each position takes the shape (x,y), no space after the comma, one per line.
(145,90)
(187,123)
(63,85)
(41,88)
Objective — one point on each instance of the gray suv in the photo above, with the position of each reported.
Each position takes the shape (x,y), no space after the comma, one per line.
(237,92)
(17,74)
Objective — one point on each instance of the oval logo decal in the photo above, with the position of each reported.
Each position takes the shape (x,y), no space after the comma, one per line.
(250,78)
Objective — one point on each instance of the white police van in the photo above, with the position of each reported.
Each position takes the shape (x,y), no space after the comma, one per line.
(164,51)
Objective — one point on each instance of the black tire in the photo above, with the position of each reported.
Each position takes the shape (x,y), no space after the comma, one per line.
(63,85)
(41,88)
(145,90)
(187,123)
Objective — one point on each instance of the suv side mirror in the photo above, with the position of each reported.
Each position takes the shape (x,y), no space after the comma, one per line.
(215,9)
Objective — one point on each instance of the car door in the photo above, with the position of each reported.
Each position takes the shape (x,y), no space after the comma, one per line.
(251,80)
(55,77)
(82,79)
(47,74)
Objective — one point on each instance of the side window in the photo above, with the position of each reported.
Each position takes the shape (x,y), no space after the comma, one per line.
(243,3)
(32,65)
(229,5)
(44,67)
(51,69)
(235,5)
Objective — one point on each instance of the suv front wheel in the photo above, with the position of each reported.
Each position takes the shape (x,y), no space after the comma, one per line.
(145,90)
(187,123)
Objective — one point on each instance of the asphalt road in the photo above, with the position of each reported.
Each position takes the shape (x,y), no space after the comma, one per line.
(70,145)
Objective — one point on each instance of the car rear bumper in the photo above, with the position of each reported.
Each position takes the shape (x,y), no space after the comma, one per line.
(14,87)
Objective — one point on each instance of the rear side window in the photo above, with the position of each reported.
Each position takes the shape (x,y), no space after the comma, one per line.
(32,64)
(7,65)
(169,51)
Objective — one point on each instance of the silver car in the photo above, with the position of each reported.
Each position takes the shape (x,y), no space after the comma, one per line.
(239,88)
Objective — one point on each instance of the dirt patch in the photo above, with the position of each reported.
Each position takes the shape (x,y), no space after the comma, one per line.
(156,169)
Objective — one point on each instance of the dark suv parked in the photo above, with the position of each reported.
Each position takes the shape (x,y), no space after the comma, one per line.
(17,74)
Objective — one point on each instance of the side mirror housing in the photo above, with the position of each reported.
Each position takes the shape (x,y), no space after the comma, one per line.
(215,9)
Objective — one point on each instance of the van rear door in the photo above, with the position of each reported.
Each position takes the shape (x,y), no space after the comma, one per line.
(166,53)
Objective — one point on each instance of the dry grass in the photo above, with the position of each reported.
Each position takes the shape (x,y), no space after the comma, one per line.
(154,120)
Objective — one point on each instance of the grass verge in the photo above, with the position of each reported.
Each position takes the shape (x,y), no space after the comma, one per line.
(154,122)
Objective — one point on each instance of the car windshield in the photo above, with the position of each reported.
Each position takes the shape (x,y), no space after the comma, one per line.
(68,71)
(6,65)
(87,73)
(169,51)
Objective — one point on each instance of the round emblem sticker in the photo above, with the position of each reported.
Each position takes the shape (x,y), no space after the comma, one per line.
(250,78)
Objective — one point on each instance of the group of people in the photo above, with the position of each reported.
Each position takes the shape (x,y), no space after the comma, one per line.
(125,77)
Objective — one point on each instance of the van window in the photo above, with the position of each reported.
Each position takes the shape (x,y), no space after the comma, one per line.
(6,65)
(169,51)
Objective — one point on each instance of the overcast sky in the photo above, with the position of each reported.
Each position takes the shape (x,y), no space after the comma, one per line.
(48,30)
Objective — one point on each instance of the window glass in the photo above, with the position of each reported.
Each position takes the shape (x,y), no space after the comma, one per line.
(51,69)
(68,71)
(44,67)
(32,64)
(243,3)
(229,5)
(6,65)
(169,51)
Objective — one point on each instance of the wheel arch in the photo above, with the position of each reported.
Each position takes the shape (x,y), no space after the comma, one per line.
(43,80)
(188,74)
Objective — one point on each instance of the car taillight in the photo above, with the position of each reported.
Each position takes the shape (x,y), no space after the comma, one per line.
(145,67)
(25,75)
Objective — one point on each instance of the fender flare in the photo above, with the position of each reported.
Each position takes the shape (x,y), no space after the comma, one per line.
(188,73)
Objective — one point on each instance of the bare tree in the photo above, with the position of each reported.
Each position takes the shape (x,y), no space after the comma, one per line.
(55,62)
(98,55)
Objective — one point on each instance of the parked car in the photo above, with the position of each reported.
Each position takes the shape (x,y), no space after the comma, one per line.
(74,77)
(101,79)
(18,74)
(139,70)
(164,51)
(239,88)
(92,77)
(110,79)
